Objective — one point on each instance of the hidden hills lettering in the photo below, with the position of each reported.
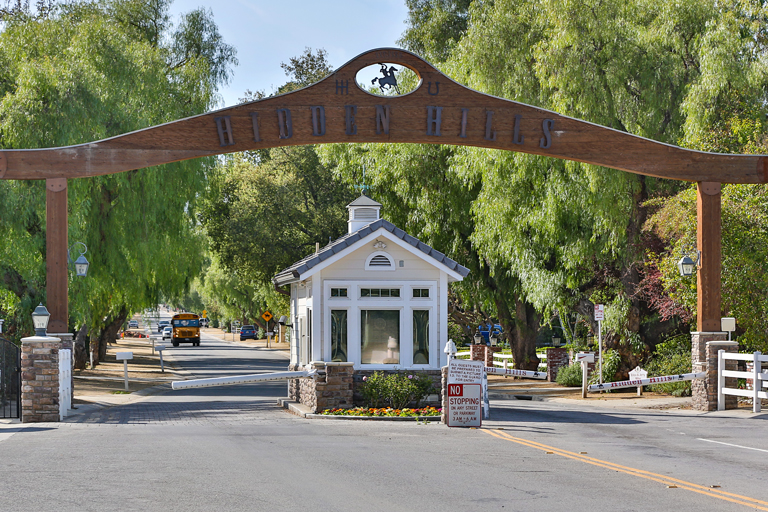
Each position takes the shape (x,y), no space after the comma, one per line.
(436,121)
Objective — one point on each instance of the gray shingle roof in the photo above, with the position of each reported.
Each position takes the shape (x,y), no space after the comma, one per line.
(302,266)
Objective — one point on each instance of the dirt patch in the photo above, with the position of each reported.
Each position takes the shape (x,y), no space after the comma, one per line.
(108,377)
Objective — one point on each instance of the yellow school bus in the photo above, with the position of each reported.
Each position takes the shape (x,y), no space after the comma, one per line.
(186,329)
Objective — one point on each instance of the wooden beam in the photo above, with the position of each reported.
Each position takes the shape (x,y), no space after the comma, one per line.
(709,243)
(336,109)
(56,238)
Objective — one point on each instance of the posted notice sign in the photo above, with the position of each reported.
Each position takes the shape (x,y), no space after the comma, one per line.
(465,409)
(599,312)
(465,405)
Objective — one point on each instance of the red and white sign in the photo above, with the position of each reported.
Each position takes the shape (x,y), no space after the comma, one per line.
(465,408)
(599,312)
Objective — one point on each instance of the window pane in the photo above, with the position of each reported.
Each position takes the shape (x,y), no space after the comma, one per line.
(338,292)
(339,335)
(380,337)
(385,293)
(375,292)
(365,292)
(420,337)
(395,292)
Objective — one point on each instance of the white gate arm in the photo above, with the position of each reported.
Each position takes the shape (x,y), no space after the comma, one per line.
(492,370)
(645,382)
(241,379)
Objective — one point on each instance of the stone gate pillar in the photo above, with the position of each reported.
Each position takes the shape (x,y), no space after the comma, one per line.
(704,347)
(40,379)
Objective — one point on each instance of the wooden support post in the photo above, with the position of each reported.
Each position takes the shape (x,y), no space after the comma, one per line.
(56,238)
(708,242)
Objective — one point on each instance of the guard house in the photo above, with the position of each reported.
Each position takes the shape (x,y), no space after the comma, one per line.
(375,299)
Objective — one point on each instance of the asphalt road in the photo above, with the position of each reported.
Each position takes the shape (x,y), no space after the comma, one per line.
(231,448)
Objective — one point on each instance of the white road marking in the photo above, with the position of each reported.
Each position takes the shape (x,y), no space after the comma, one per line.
(734,445)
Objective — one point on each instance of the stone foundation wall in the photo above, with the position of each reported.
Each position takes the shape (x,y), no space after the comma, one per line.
(330,389)
(40,379)
(556,359)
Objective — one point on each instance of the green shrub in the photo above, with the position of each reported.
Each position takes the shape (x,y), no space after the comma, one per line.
(611,364)
(395,390)
(670,364)
(569,375)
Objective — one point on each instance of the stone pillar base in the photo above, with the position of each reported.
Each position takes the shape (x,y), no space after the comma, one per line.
(556,359)
(332,387)
(40,379)
(704,348)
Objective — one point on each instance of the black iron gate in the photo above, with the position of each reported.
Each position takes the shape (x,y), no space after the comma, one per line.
(10,379)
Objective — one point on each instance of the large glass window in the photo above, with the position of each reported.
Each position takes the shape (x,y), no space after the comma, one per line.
(380,336)
(420,336)
(339,335)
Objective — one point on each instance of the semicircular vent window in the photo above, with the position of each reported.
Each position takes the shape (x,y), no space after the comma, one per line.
(380,261)
(386,79)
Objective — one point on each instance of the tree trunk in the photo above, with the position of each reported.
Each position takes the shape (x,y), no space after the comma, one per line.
(108,335)
(526,330)
(81,354)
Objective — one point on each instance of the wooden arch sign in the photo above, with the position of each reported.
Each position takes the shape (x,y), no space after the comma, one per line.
(336,109)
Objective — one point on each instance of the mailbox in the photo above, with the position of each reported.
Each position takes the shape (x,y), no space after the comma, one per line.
(124,356)
(586,357)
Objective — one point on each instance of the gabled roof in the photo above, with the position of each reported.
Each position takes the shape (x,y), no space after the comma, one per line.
(364,200)
(293,272)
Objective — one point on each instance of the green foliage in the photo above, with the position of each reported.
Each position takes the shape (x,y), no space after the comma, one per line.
(611,365)
(569,375)
(88,71)
(672,357)
(396,390)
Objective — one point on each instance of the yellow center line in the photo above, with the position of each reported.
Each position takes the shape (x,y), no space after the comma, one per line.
(707,491)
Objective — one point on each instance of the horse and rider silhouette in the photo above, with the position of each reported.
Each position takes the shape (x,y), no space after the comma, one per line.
(388,81)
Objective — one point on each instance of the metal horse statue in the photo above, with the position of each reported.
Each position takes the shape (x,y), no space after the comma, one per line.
(388,80)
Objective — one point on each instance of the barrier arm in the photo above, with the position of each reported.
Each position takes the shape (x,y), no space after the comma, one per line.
(492,370)
(645,382)
(241,379)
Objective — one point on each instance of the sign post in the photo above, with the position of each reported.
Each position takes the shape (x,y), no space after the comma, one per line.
(584,358)
(124,357)
(267,316)
(599,317)
(465,405)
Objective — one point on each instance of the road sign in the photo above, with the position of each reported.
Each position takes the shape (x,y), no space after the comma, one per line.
(462,371)
(267,316)
(599,312)
(205,313)
(464,405)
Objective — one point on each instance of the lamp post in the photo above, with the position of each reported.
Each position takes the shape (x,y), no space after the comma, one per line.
(40,317)
(494,338)
(81,264)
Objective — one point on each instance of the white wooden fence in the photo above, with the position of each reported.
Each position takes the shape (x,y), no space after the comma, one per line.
(758,376)
(65,382)
(506,360)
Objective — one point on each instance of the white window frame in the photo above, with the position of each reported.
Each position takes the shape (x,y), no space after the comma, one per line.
(353,303)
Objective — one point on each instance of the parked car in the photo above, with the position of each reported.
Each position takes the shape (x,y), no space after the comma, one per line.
(133,324)
(247,332)
(204,322)
(167,332)
(162,324)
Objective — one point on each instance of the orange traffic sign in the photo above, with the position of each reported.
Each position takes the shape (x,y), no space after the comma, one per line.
(267,316)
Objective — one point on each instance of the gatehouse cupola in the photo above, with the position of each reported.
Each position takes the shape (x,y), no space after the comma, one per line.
(362,211)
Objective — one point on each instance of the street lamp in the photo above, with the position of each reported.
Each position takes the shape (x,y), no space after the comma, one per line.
(555,341)
(81,264)
(478,338)
(494,338)
(40,317)
(686,265)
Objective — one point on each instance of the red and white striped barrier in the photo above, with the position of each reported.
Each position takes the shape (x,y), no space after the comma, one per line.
(492,370)
(645,382)
(241,379)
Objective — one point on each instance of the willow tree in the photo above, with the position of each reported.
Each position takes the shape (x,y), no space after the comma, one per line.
(86,71)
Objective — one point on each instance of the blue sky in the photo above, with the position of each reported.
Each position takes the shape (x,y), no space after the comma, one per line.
(268,32)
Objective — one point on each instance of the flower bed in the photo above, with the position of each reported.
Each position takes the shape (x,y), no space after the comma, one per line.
(383,411)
